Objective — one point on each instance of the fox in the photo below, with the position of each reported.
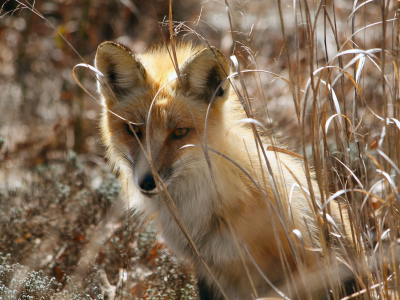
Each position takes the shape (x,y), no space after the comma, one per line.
(188,157)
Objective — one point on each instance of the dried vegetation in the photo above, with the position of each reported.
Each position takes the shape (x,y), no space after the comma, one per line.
(63,233)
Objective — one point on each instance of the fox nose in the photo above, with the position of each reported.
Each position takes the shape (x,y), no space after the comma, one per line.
(147,182)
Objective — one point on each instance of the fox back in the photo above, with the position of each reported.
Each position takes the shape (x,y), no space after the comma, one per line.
(184,138)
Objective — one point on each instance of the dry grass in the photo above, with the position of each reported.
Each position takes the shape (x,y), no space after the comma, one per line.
(337,106)
(343,81)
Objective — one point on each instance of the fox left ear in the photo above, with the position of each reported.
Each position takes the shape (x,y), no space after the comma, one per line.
(121,68)
(203,73)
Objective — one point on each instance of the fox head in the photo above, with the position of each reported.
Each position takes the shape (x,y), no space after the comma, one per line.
(150,114)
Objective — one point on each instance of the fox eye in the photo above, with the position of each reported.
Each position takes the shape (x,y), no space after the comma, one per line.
(180,133)
(135,128)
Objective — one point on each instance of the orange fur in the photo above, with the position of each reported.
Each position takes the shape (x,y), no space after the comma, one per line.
(208,200)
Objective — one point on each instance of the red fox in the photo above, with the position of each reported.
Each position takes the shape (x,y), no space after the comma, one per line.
(253,244)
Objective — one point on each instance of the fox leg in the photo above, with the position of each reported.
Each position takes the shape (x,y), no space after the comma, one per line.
(206,292)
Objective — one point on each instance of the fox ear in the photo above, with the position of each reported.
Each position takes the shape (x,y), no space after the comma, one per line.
(122,70)
(203,73)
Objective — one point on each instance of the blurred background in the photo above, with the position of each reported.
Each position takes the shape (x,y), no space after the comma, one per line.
(63,231)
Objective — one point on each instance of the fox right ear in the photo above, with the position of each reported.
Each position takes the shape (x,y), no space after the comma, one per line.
(204,72)
(121,68)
